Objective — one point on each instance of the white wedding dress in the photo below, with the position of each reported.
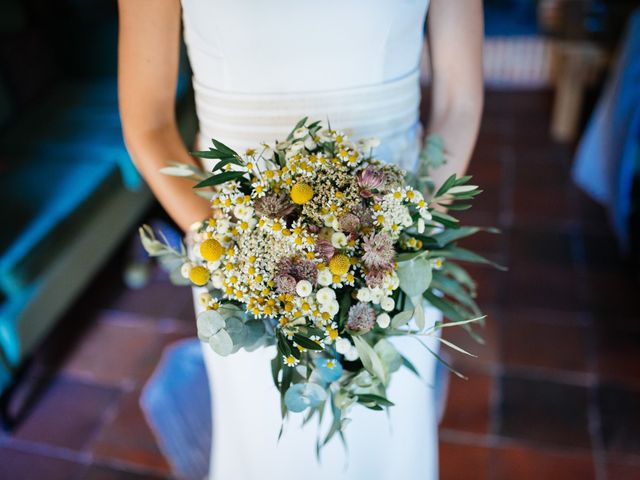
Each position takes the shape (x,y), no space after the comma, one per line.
(259,66)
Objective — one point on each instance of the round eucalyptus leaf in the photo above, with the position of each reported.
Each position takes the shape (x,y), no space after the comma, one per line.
(237,331)
(209,323)
(255,334)
(221,343)
(300,396)
(415,276)
(389,355)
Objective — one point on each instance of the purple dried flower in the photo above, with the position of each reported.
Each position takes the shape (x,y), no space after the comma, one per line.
(349,222)
(285,284)
(375,278)
(364,215)
(298,269)
(274,206)
(325,249)
(378,251)
(369,179)
(361,318)
(305,270)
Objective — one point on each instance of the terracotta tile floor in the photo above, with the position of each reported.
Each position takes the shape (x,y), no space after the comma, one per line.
(554,394)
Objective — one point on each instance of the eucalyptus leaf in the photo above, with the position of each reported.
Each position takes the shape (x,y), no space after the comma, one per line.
(415,276)
(401,319)
(209,322)
(221,343)
(237,331)
(255,334)
(370,359)
(418,312)
(177,171)
(389,355)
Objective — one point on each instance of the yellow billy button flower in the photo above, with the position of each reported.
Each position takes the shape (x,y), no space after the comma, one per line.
(211,250)
(199,275)
(339,264)
(301,193)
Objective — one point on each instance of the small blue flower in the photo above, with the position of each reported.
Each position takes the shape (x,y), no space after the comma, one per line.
(302,395)
(329,369)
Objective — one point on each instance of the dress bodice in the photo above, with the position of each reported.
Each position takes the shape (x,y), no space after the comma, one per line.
(261,65)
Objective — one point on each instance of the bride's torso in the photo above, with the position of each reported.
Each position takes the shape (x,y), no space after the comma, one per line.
(260,65)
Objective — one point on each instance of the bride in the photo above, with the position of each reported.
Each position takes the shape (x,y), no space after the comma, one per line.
(259,66)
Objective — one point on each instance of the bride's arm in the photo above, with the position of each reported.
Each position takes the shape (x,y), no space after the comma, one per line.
(455,43)
(148,57)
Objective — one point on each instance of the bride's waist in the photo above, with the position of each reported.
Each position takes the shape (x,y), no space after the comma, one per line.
(243,120)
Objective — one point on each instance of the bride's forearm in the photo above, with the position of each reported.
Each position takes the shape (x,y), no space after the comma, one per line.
(153,149)
(458,126)
(455,43)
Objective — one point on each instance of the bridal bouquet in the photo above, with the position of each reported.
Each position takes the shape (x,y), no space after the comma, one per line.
(320,249)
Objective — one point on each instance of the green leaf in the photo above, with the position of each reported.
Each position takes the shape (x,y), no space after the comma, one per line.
(219,179)
(176,171)
(445,307)
(460,275)
(223,148)
(418,312)
(209,322)
(401,319)
(449,182)
(464,255)
(306,342)
(407,363)
(224,162)
(415,276)
(211,154)
(389,355)
(300,123)
(377,399)
(221,343)
(448,236)
(370,359)
(444,219)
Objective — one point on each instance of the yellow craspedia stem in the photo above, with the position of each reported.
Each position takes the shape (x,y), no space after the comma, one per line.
(199,275)
(339,264)
(211,250)
(301,193)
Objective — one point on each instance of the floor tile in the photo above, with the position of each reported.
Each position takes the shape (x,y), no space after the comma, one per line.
(462,461)
(68,415)
(487,353)
(113,350)
(623,468)
(21,465)
(544,287)
(620,418)
(529,340)
(543,411)
(469,403)
(128,439)
(617,354)
(100,472)
(523,463)
(158,299)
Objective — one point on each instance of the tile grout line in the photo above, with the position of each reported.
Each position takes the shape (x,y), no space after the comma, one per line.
(594,419)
